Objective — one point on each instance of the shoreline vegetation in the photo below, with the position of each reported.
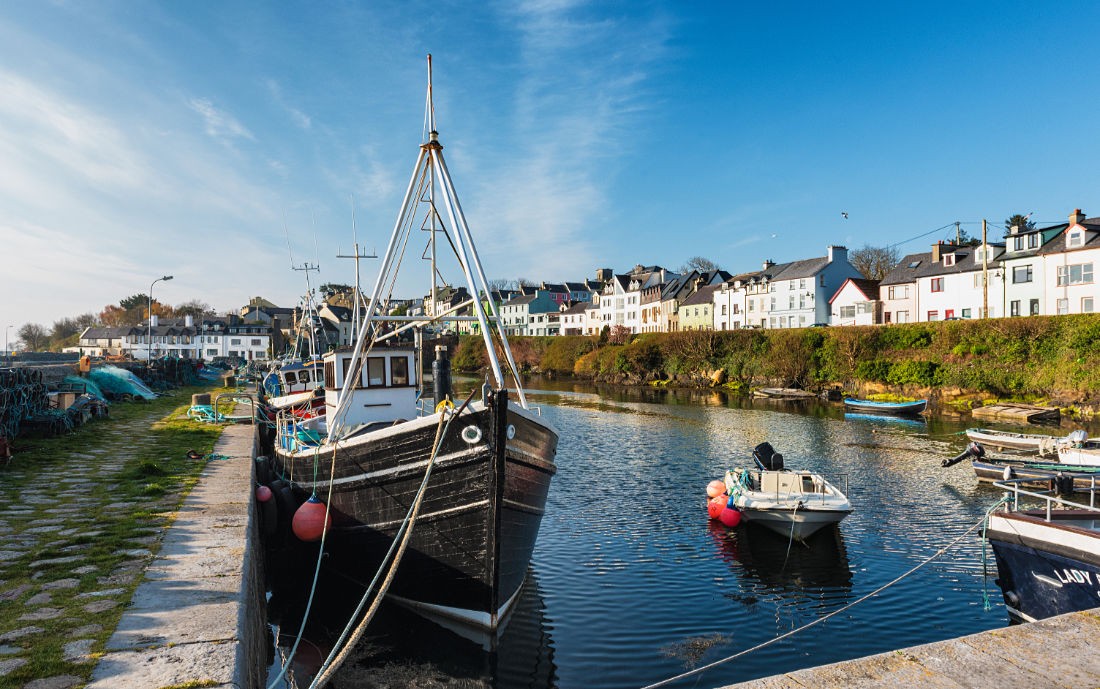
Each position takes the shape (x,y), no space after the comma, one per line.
(956,365)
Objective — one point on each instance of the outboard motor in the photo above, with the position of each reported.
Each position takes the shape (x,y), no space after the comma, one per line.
(767,458)
(974,450)
(441,375)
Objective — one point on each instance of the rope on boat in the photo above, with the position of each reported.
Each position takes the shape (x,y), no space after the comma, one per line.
(316,573)
(821,619)
(341,649)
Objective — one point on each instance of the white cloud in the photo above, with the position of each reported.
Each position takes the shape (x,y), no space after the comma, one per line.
(219,124)
(298,117)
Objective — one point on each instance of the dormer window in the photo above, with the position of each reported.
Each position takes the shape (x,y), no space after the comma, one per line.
(949,259)
(1018,244)
(1075,238)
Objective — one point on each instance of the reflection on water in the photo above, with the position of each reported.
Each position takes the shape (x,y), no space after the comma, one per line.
(632,583)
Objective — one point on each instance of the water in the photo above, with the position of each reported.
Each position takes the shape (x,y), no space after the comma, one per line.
(631,583)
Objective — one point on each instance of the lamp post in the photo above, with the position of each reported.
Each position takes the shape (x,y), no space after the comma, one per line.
(149,342)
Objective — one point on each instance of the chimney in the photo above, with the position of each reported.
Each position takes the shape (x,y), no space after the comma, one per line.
(838,253)
(768,263)
(189,321)
(1076,217)
(153,320)
(936,248)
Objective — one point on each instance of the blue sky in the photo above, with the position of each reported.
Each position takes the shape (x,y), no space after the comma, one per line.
(191,138)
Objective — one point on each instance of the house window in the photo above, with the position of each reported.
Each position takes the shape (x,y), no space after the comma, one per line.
(886,317)
(937,286)
(902,316)
(1033,307)
(949,259)
(399,371)
(1086,305)
(235,341)
(848,311)
(1021,274)
(1063,307)
(933,315)
(751,305)
(1077,274)
(949,313)
(723,309)
(1014,308)
(1018,244)
(1033,241)
(255,342)
(376,371)
(1075,238)
(801,283)
(773,303)
(790,302)
(736,309)
(966,313)
(211,352)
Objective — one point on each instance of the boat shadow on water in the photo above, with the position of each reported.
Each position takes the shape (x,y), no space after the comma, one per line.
(403,649)
(773,564)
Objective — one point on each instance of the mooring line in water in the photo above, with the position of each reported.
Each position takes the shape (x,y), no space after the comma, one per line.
(819,620)
(344,644)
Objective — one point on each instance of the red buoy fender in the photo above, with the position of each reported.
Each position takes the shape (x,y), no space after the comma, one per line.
(309,521)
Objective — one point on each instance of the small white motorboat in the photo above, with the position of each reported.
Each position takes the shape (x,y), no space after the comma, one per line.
(792,503)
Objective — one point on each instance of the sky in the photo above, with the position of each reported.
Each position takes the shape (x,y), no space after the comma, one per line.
(225,143)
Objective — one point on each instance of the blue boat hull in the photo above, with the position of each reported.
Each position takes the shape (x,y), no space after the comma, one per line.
(891,408)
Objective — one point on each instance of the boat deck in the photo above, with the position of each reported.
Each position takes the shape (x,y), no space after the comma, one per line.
(1058,651)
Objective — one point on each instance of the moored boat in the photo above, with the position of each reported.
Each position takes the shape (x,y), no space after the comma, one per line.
(1031,442)
(793,503)
(1048,559)
(1048,475)
(462,485)
(895,408)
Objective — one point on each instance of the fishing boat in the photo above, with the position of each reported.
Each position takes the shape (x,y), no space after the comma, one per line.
(462,484)
(1047,475)
(784,394)
(1080,451)
(1048,559)
(793,503)
(894,408)
(1029,442)
(295,384)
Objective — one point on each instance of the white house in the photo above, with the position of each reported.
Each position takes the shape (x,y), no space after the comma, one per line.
(1025,270)
(799,294)
(1069,264)
(958,281)
(856,303)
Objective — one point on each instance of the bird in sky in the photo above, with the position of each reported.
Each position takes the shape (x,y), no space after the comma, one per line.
(845,214)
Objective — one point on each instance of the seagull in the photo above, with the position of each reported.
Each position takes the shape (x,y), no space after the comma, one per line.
(845,214)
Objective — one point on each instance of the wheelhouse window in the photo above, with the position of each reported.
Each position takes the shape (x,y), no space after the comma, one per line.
(290,377)
(376,371)
(399,371)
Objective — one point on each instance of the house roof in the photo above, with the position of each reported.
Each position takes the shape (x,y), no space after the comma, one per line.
(906,270)
(703,295)
(808,267)
(520,300)
(577,307)
(1057,244)
(869,288)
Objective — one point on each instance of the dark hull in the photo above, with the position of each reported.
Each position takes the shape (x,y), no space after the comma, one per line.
(479,519)
(1046,568)
(1041,475)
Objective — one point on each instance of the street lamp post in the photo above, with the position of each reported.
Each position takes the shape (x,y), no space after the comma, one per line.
(149,342)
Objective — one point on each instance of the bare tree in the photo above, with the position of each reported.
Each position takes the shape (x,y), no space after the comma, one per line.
(499,284)
(194,308)
(874,261)
(33,336)
(699,263)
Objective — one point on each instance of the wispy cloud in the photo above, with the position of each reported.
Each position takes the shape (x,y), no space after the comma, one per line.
(219,124)
(571,113)
(298,117)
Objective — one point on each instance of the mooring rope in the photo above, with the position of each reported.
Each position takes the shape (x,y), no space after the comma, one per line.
(821,619)
(344,644)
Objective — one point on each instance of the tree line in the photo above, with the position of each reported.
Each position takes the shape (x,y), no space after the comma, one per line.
(129,311)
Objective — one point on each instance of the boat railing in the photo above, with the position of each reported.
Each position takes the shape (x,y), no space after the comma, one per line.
(794,488)
(1015,488)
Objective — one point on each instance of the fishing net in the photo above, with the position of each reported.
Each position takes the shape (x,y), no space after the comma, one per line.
(115,381)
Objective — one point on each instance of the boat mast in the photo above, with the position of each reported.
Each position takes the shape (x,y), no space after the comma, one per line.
(358,299)
(430,112)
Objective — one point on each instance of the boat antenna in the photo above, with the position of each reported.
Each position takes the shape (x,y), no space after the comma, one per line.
(357,300)
(429,112)
(286,233)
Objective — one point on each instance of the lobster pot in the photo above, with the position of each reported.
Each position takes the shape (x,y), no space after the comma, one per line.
(202,399)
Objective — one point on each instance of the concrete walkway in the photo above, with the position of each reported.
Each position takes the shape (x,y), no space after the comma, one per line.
(1056,652)
(198,615)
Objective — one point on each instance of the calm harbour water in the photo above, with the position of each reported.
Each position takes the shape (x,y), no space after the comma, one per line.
(631,583)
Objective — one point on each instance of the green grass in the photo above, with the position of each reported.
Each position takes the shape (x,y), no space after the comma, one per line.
(114,534)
